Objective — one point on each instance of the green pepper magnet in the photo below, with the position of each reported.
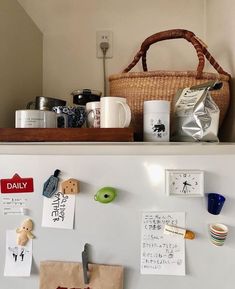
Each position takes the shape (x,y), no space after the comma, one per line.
(105,195)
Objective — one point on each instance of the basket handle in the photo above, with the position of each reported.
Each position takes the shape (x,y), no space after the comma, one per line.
(174,34)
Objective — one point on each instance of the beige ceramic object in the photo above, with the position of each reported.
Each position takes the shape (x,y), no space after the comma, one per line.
(24,232)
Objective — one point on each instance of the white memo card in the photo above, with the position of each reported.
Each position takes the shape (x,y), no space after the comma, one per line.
(162,254)
(58,211)
(18,260)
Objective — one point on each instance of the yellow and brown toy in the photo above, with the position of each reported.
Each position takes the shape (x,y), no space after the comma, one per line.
(24,232)
(70,186)
(172,230)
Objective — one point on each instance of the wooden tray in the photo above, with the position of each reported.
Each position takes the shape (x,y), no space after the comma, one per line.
(66,134)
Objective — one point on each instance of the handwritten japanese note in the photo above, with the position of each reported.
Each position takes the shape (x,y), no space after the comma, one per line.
(162,254)
(18,260)
(58,211)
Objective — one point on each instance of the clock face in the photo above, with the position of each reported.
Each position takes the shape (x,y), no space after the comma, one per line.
(185,182)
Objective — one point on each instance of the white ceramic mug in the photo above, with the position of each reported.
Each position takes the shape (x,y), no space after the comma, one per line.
(30,118)
(114,112)
(93,114)
(156,120)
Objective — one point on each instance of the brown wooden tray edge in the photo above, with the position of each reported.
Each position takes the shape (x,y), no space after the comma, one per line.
(66,135)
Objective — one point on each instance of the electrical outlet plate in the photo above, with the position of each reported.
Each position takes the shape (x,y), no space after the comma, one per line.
(104,36)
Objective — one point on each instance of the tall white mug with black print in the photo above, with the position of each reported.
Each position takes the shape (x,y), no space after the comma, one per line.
(157,120)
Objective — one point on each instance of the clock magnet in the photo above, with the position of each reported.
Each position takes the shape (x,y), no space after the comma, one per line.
(185,183)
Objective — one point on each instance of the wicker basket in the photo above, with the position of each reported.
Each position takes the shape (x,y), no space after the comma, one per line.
(162,85)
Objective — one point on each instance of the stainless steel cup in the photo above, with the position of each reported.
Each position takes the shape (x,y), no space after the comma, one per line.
(45,103)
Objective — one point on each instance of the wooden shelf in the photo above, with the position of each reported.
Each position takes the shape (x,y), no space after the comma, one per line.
(115,148)
(89,141)
(66,135)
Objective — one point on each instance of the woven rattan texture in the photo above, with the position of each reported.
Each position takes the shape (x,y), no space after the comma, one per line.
(138,87)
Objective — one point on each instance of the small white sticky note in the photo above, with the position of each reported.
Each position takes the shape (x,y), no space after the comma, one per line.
(14,206)
(58,211)
(11,211)
(18,260)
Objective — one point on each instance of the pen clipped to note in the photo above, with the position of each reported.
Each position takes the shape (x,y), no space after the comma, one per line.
(186,234)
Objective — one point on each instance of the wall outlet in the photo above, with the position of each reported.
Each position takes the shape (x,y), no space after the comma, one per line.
(104,36)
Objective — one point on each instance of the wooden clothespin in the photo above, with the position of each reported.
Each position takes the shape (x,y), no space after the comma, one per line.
(85,264)
(70,186)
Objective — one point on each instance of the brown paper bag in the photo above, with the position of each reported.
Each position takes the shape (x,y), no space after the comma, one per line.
(69,275)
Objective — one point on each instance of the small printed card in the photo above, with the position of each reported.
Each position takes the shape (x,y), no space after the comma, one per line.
(58,211)
(18,260)
(14,205)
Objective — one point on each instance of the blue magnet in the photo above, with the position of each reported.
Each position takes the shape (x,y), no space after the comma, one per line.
(50,186)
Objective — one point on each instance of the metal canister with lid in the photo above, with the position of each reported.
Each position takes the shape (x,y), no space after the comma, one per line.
(81,99)
(82,96)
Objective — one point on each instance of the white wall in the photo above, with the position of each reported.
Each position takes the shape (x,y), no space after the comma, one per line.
(69,28)
(69,49)
(220,31)
(20,60)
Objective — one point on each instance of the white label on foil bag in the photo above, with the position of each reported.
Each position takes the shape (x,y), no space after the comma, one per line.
(187,101)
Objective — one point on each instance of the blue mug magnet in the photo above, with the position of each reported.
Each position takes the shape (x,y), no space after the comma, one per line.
(215,203)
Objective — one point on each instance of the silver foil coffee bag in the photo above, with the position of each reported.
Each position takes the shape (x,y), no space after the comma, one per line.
(196,115)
